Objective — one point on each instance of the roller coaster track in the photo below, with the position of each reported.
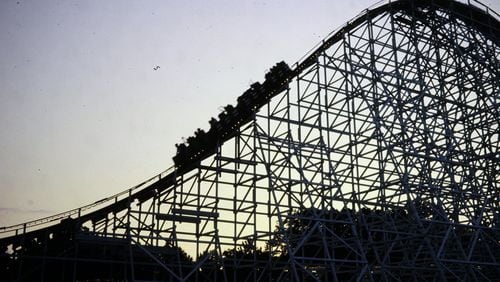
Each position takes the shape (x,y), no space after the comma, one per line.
(473,13)
(115,199)
(306,61)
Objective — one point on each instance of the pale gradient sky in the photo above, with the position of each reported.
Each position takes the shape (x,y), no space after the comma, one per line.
(83,115)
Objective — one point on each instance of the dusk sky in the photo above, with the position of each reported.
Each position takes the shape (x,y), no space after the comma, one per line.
(95,94)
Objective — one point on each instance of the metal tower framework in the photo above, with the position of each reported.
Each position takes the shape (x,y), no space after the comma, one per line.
(379,161)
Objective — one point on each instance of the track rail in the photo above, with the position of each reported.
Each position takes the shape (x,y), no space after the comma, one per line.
(90,208)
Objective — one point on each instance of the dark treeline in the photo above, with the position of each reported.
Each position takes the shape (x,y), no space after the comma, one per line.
(328,245)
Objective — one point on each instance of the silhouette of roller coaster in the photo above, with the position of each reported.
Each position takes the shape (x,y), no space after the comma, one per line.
(374,158)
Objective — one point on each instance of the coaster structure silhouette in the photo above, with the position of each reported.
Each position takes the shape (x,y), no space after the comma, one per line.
(374,158)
